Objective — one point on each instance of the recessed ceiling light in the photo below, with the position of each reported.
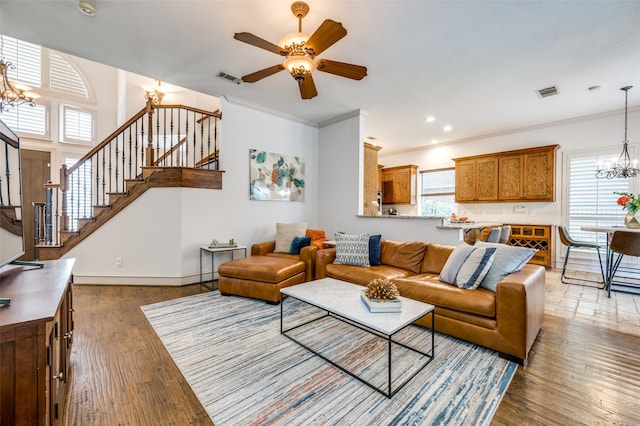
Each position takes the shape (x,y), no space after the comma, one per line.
(87,7)
(430,119)
(447,128)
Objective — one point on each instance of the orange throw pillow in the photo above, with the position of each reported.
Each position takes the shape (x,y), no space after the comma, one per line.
(317,237)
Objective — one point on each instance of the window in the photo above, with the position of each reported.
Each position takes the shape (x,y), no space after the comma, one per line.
(79,204)
(591,201)
(47,72)
(26,118)
(438,188)
(77,124)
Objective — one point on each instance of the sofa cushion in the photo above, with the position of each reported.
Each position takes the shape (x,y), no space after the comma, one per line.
(362,276)
(374,249)
(404,255)
(435,258)
(352,249)
(508,259)
(285,233)
(427,288)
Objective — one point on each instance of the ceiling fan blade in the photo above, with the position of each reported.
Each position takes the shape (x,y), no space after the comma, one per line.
(261,43)
(308,88)
(328,33)
(342,69)
(259,75)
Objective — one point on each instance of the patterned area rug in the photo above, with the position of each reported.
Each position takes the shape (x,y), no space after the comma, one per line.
(243,371)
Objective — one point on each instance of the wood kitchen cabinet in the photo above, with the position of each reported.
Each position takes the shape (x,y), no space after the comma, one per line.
(399,184)
(477,179)
(36,335)
(520,175)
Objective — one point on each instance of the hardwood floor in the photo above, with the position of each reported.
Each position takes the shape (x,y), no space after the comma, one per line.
(580,371)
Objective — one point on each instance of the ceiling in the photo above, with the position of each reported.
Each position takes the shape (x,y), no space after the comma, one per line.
(473,65)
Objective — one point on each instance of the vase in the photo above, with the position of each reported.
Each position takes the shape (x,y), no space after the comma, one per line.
(631,220)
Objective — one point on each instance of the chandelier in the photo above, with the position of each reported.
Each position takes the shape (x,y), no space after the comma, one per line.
(156,94)
(623,167)
(12,94)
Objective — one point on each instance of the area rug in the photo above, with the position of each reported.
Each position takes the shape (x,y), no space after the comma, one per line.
(243,371)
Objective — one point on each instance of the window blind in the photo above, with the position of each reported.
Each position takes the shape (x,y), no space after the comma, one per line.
(79,204)
(27,59)
(78,124)
(25,118)
(63,77)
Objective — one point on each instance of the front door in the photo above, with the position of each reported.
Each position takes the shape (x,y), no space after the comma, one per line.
(35,172)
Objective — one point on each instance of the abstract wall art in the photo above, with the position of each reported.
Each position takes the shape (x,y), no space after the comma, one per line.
(275,176)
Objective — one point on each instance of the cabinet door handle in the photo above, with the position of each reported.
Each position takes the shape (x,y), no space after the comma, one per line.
(59,376)
(68,335)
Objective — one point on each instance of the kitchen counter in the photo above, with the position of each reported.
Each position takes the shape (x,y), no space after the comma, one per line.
(391,216)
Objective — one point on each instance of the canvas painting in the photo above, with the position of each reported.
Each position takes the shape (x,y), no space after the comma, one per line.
(276,176)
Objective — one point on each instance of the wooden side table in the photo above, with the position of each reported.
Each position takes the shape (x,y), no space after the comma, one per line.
(212,253)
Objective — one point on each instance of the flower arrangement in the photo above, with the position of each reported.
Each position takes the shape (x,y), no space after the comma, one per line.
(382,289)
(629,202)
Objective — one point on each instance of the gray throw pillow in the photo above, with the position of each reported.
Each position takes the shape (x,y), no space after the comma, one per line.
(507,260)
(454,263)
(352,249)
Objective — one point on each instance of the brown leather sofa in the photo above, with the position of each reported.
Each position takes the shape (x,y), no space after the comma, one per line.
(507,321)
(264,273)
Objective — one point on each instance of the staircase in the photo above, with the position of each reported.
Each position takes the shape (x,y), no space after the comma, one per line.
(160,146)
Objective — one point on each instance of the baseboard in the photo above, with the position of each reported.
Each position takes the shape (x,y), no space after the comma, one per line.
(139,280)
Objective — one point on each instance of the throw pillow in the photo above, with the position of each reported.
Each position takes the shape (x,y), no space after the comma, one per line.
(454,263)
(508,259)
(374,250)
(475,268)
(298,243)
(317,237)
(285,233)
(352,250)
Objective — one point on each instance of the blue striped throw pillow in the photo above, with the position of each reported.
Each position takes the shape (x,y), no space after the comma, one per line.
(475,268)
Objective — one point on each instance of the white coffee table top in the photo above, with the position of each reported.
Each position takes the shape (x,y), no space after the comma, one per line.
(343,298)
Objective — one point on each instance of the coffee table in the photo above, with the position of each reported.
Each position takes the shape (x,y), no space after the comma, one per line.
(341,300)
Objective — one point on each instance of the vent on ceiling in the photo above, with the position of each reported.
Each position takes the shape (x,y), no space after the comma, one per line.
(231,78)
(547,91)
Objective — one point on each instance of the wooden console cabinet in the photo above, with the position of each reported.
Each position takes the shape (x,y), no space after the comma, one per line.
(539,237)
(36,334)
(510,176)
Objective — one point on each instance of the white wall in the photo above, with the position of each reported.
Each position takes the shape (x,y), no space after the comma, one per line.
(341,185)
(159,235)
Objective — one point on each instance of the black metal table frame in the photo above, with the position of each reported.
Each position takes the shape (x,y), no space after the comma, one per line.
(232,250)
(388,337)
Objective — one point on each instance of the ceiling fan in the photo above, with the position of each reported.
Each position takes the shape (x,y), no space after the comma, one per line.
(300,49)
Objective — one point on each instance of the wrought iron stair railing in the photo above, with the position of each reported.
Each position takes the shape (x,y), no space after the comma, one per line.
(156,136)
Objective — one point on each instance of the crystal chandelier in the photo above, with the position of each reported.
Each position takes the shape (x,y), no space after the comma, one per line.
(623,167)
(12,94)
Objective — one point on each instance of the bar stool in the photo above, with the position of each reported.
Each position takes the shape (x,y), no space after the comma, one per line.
(623,243)
(566,239)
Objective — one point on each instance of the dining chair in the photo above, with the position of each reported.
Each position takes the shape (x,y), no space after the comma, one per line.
(505,234)
(494,235)
(623,243)
(567,240)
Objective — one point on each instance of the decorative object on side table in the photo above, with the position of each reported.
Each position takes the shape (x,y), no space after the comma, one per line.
(218,244)
(630,203)
(381,295)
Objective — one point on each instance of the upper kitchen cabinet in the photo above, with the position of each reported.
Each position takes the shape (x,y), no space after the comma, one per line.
(477,179)
(399,184)
(521,175)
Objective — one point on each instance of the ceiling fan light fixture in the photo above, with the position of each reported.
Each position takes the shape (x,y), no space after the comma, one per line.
(300,66)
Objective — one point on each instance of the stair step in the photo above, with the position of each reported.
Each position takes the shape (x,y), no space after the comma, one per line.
(42,245)
(115,196)
(83,222)
(65,235)
(129,183)
(99,209)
